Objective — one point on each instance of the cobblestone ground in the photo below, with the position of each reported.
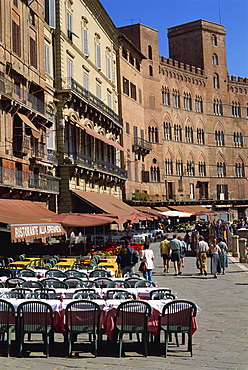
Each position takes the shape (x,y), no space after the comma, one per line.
(221,342)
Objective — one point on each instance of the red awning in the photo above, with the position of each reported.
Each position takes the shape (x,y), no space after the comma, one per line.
(98,136)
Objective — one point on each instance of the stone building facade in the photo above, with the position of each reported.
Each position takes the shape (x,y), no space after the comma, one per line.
(195,115)
(27,168)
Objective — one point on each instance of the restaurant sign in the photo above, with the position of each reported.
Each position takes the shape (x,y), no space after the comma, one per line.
(35,231)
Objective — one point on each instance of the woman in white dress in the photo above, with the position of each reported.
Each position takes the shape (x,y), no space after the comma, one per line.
(147,256)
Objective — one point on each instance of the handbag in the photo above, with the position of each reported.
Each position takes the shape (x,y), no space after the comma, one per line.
(143,267)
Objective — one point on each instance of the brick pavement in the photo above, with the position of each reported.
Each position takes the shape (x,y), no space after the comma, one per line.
(221,342)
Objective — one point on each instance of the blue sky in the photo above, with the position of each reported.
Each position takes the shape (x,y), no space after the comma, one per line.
(163,14)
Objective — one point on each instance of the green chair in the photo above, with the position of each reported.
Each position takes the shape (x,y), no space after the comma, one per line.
(7,321)
(120,294)
(131,274)
(13,294)
(144,284)
(85,295)
(26,273)
(132,280)
(6,272)
(35,317)
(82,316)
(75,273)
(55,273)
(73,282)
(14,282)
(177,318)
(32,284)
(51,292)
(131,317)
(53,283)
(37,295)
(159,290)
(118,284)
(99,273)
(1,285)
(163,295)
(102,281)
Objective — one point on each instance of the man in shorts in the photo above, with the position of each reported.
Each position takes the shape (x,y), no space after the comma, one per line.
(164,253)
(175,253)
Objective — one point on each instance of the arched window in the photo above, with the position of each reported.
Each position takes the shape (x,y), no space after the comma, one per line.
(149,52)
(219,138)
(179,167)
(239,169)
(214,40)
(167,130)
(165,96)
(202,169)
(215,59)
(216,81)
(150,71)
(168,167)
(190,168)
(238,139)
(200,136)
(221,169)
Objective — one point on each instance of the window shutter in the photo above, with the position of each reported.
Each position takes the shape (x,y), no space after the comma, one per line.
(86,44)
(145,176)
(98,56)
(86,81)
(47,58)
(109,68)
(50,139)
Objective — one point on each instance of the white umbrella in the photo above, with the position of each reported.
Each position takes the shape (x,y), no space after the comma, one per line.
(176,214)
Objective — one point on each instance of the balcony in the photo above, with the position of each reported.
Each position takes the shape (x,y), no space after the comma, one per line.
(111,168)
(85,161)
(141,146)
(71,84)
(52,156)
(15,92)
(38,151)
(14,178)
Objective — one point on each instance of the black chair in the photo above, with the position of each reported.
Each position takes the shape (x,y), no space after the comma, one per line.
(160,290)
(6,272)
(120,294)
(177,318)
(82,316)
(73,282)
(7,321)
(131,317)
(35,317)
(102,281)
(51,292)
(1,285)
(14,282)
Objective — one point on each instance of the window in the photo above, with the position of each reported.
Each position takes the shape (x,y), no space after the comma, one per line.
(176,99)
(179,167)
(154,174)
(187,101)
(167,130)
(150,71)
(137,64)
(198,104)
(149,52)
(125,86)
(168,167)
(33,48)
(200,136)
(236,112)
(165,96)
(221,169)
(153,134)
(86,81)
(108,65)
(69,25)
(238,139)
(110,101)
(85,37)
(239,170)
(50,13)
(15,3)
(214,59)
(189,134)
(222,192)
(16,34)
(98,91)
(202,169)
(218,110)
(133,91)
(214,40)
(31,17)
(216,81)
(98,56)
(219,138)
(131,59)
(177,133)
(124,53)
(70,71)
(190,168)
(127,127)
(47,58)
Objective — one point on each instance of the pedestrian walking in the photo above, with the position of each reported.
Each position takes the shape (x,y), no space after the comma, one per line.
(164,245)
(183,250)
(223,255)
(127,258)
(201,253)
(215,259)
(175,253)
(187,240)
(147,256)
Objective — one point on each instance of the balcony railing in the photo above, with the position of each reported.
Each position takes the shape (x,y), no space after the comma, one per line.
(111,168)
(71,84)
(140,144)
(17,93)
(84,160)
(52,156)
(10,177)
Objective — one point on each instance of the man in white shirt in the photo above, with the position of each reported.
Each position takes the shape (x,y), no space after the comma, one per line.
(201,253)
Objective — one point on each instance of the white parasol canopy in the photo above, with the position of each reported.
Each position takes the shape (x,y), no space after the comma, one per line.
(176,214)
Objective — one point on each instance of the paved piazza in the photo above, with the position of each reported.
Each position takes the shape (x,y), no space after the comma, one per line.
(221,342)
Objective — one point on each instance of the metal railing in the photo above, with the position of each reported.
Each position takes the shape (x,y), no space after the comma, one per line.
(70,83)
(84,160)
(10,177)
(17,93)
(139,142)
(111,168)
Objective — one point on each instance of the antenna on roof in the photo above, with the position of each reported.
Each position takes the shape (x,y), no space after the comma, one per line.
(219,10)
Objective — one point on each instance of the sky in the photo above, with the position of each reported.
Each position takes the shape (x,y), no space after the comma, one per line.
(163,14)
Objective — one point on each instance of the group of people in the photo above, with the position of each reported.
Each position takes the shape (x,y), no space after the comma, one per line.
(174,250)
(217,249)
